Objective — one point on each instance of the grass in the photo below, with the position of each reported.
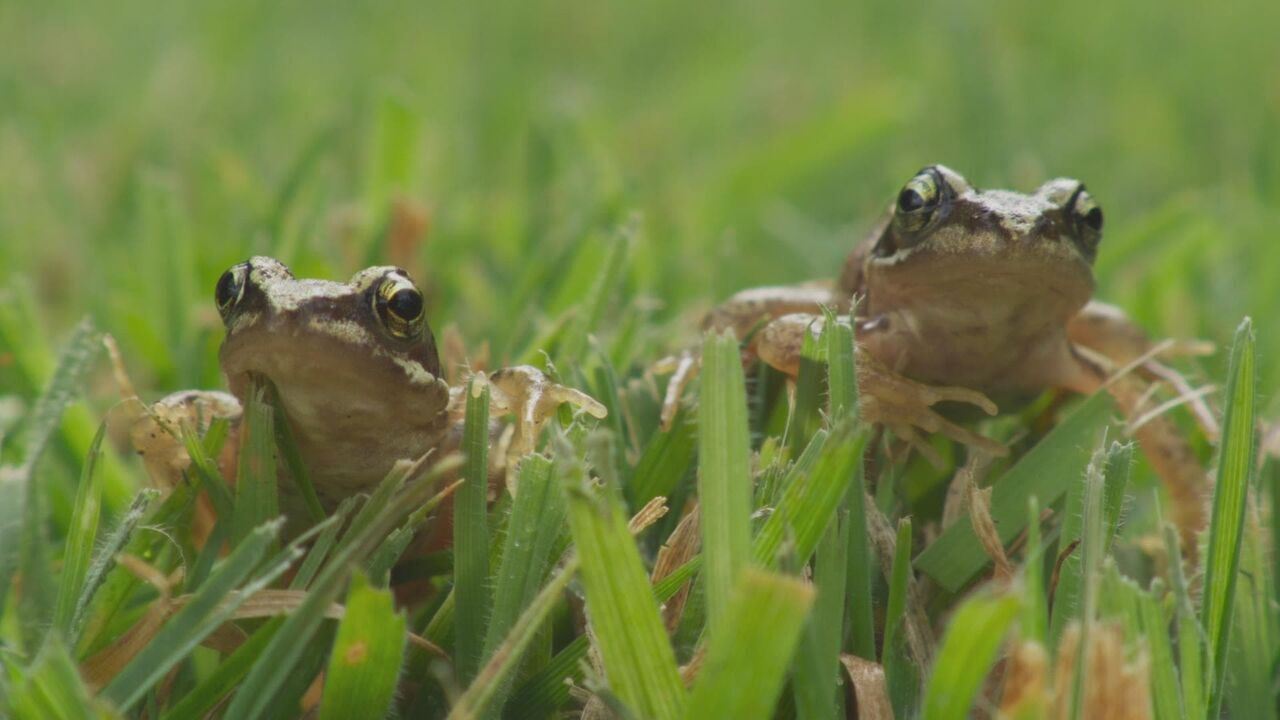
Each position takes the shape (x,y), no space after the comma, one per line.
(573,185)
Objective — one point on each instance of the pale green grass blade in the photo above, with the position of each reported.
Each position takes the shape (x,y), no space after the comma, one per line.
(1254,646)
(494,674)
(724,475)
(1145,623)
(471,538)
(638,659)
(810,499)
(275,667)
(1188,631)
(324,543)
(664,462)
(1068,598)
(537,516)
(1046,471)
(211,606)
(81,536)
(589,308)
(900,675)
(365,660)
(22,522)
(230,671)
(746,664)
(544,692)
(51,689)
(288,448)
(842,377)
(104,559)
(817,662)
(974,635)
(1035,614)
(1226,529)
(862,572)
(256,493)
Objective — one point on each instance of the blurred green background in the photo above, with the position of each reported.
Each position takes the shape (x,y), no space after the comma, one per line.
(146,146)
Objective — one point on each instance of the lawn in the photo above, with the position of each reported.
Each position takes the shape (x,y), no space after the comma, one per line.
(574,185)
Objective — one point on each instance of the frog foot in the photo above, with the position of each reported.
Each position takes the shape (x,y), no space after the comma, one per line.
(905,406)
(527,393)
(682,368)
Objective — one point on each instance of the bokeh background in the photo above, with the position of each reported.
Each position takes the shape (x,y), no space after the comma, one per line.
(146,146)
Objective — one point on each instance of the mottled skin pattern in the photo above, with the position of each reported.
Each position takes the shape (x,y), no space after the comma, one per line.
(965,294)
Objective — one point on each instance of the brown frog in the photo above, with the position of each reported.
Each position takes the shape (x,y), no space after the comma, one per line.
(965,295)
(357,373)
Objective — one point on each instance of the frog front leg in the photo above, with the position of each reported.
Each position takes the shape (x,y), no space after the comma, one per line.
(743,314)
(526,393)
(1109,350)
(903,405)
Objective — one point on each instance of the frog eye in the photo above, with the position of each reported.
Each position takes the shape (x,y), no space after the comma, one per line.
(1086,214)
(230,288)
(399,305)
(918,200)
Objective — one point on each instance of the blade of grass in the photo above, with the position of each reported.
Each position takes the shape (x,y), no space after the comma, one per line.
(211,606)
(638,659)
(746,664)
(974,635)
(842,383)
(276,665)
(1226,529)
(288,448)
(50,688)
(818,659)
(81,535)
(1190,634)
(862,572)
(471,537)
(900,676)
(105,558)
(810,499)
(205,696)
(1046,471)
(724,476)
(367,651)
(256,494)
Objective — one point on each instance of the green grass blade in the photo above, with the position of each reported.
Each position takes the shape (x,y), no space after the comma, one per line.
(818,659)
(724,475)
(974,635)
(51,689)
(1046,471)
(810,500)
(842,383)
(638,659)
(537,517)
(275,667)
(664,462)
(746,664)
(862,572)
(494,674)
(1189,633)
(1253,646)
(256,493)
(1035,613)
(1226,529)
(225,677)
(367,651)
(211,606)
(288,448)
(900,676)
(471,538)
(82,534)
(105,558)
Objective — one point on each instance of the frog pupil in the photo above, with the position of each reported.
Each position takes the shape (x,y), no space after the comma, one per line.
(1093,218)
(909,200)
(406,304)
(225,293)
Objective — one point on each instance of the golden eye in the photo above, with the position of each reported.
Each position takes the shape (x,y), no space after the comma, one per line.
(399,305)
(918,200)
(230,288)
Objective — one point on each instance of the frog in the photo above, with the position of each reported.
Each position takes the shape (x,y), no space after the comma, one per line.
(357,374)
(964,297)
